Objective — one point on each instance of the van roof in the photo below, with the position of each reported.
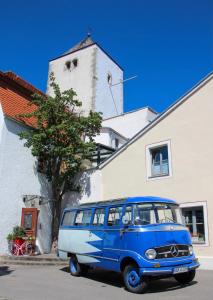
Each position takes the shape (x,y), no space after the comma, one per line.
(125,201)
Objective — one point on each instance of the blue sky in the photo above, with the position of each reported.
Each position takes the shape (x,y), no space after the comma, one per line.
(168,44)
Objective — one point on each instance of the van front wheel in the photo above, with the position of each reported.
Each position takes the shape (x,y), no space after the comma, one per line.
(185,278)
(77,269)
(132,280)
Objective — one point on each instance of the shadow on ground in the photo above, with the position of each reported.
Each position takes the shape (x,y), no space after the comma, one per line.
(115,279)
(5,270)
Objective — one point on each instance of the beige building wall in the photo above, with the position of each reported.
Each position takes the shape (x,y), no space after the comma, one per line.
(188,127)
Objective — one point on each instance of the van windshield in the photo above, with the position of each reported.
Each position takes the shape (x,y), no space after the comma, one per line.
(152,213)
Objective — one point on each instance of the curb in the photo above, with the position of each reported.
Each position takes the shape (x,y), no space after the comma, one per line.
(32,260)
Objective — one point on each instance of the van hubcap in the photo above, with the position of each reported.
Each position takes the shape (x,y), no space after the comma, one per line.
(133,278)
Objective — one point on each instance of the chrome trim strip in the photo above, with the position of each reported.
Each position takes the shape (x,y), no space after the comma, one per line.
(154,228)
(160,271)
(154,261)
(169,245)
(169,252)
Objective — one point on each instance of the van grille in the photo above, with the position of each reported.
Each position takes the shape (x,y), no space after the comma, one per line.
(172,251)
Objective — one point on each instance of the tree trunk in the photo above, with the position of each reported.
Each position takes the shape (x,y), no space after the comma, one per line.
(56,214)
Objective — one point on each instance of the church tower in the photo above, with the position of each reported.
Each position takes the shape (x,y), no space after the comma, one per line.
(93,75)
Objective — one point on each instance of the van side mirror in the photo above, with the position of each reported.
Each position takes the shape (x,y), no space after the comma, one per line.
(125,221)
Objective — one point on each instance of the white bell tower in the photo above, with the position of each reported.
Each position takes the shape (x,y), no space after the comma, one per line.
(93,75)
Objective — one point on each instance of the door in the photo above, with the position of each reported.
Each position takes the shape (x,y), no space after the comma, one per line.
(112,237)
(29,220)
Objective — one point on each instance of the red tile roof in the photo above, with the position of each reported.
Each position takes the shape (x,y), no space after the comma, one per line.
(15,96)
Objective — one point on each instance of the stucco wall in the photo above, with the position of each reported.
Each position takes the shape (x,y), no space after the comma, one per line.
(189,129)
(89,80)
(79,78)
(18,177)
(130,123)
(107,137)
(1,122)
(91,189)
(104,98)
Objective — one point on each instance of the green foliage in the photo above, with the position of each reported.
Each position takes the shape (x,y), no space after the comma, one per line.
(18,232)
(63,137)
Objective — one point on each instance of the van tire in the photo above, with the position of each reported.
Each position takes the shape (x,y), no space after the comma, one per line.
(132,280)
(185,278)
(77,269)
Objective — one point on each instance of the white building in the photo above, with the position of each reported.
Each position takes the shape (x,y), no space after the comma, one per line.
(25,194)
(91,72)
(98,81)
(129,123)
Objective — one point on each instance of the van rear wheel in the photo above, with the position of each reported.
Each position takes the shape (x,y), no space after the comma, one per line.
(77,269)
(132,280)
(185,278)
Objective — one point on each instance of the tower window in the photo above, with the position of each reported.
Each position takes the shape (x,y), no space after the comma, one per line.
(75,62)
(68,64)
(109,78)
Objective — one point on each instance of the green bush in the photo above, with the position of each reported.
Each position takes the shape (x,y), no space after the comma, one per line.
(18,232)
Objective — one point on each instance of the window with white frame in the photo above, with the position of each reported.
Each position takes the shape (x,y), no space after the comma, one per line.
(158,160)
(195,221)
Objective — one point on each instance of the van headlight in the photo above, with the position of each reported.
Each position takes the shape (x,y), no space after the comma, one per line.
(190,250)
(151,253)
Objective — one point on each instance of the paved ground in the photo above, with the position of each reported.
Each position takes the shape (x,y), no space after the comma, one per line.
(53,282)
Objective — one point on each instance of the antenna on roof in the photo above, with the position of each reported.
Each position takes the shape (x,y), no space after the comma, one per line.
(122,81)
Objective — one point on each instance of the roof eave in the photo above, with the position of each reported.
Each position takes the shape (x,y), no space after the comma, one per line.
(71,52)
(160,117)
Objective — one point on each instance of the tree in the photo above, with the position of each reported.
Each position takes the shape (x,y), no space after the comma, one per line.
(62,138)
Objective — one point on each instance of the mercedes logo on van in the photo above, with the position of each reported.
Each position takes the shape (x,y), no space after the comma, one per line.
(174,251)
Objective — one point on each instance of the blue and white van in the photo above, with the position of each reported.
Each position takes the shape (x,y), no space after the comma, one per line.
(141,237)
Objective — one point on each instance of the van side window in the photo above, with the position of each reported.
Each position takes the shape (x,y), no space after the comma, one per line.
(98,219)
(128,213)
(68,218)
(83,217)
(114,216)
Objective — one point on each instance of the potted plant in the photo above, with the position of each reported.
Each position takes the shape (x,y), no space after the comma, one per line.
(16,236)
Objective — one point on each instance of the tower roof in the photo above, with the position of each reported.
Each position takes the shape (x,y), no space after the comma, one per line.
(88,41)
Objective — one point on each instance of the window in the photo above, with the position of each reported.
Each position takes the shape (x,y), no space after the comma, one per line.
(144,214)
(152,213)
(98,219)
(194,220)
(68,218)
(75,62)
(158,160)
(114,216)
(168,213)
(68,64)
(28,221)
(128,214)
(83,217)
(160,163)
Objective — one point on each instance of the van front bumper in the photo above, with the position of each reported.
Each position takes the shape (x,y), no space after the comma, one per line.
(158,271)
